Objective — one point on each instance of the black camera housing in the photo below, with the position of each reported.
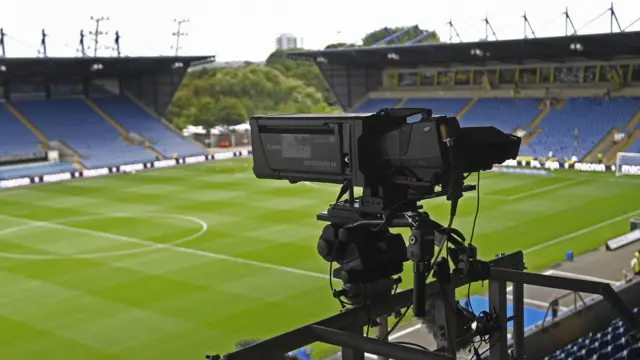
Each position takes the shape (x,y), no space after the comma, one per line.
(378,149)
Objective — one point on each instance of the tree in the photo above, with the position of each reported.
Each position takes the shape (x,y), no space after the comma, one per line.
(229,96)
(382,33)
(301,69)
(338,45)
(230,111)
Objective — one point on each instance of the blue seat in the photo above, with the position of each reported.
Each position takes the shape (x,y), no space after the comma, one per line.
(134,119)
(616,347)
(603,343)
(593,118)
(616,337)
(75,123)
(15,138)
(602,355)
(505,114)
(633,352)
(590,351)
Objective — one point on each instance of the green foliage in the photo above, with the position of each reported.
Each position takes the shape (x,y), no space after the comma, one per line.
(337,46)
(229,96)
(381,34)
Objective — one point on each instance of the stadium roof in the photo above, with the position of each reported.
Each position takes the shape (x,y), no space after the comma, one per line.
(51,67)
(599,47)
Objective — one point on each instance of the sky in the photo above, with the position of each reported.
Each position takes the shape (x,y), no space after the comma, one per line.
(246,29)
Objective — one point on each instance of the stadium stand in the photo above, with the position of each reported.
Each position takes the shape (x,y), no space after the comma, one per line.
(578,126)
(135,119)
(505,114)
(74,123)
(610,343)
(15,138)
(634,147)
(56,113)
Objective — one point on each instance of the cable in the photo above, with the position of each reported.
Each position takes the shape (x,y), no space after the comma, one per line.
(487,350)
(475,217)
(395,325)
(333,291)
(406,343)
(469,298)
(630,25)
(592,20)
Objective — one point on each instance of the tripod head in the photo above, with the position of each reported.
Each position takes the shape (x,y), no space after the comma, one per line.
(359,239)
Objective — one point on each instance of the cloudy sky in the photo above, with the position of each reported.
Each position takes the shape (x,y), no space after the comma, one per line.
(246,29)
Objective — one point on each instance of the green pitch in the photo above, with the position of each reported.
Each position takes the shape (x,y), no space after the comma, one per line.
(178,263)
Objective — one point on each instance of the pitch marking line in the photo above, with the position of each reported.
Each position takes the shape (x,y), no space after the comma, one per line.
(303,272)
(203,229)
(169,247)
(580,232)
(546,188)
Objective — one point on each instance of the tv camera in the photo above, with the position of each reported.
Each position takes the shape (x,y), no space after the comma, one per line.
(398,157)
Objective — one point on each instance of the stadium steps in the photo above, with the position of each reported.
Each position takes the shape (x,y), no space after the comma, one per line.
(528,137)
(110,120)
(534,124)
(538,119)
(401,103)
(122,130)
(559,104)
(164,122)
(79,165)
(604,146)
(23,119)
(465,108)
(634,121)
(610,159)
(64,148)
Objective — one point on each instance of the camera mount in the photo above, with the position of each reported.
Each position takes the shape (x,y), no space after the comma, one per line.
(364,221)
(345,329)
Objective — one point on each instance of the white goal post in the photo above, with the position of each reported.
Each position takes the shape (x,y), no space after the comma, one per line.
(627,164)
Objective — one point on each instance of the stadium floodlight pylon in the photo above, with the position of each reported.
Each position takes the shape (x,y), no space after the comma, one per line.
(627,163)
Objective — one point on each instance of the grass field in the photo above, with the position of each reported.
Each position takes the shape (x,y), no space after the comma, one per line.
(178,263)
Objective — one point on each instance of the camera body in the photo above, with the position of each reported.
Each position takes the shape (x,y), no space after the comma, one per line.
(383,149)
(398,161)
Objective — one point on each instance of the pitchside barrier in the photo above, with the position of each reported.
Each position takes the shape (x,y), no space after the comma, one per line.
(127,168)
(524,166)
(557,165)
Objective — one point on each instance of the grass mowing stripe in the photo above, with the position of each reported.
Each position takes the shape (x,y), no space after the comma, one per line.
(266,221)
(580,232)
(546,188)
(174,248)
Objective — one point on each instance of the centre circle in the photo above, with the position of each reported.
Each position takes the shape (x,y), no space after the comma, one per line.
(33,224)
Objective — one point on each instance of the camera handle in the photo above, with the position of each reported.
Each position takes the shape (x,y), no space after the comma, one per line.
(420,251)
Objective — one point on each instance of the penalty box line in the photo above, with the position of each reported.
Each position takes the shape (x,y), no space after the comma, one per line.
(168,247)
